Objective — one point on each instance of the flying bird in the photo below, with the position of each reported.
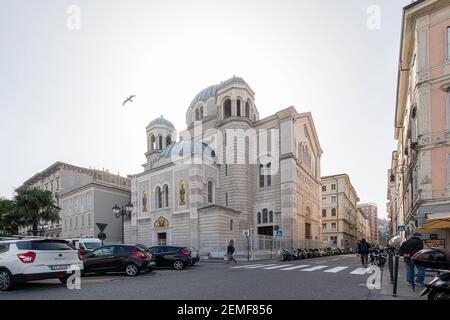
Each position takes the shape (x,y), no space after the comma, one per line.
(128,99)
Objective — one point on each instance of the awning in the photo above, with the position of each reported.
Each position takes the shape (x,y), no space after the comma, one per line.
(435,224)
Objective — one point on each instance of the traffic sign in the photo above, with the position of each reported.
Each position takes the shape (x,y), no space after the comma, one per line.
(401,228)
(279,233)
(101,236)
(101,226)
(246,233)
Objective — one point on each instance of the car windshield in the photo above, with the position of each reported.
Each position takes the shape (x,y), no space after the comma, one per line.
(92,245)
(141,246)
(44,245)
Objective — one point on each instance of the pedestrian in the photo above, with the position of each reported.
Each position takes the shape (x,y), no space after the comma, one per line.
(230,251)
(363,251)
(407,250)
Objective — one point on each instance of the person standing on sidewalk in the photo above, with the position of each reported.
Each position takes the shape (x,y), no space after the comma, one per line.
(230,251)
(363,251)
(407,250)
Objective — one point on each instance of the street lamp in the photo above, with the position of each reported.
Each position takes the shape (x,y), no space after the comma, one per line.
(121,212)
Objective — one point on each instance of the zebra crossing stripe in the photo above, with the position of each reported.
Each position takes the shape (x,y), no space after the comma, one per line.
(335,270)
(314,268)
(360,271)
(278,267)
(261,266)
(296,267)
(249,265)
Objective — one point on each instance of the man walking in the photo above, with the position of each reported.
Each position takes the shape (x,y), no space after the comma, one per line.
(230,251)
(363,251)
(407,250)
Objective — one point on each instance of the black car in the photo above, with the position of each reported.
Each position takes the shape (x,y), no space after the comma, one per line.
(171,257)
(131,259)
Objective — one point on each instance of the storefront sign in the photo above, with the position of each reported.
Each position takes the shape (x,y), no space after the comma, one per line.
(434,243)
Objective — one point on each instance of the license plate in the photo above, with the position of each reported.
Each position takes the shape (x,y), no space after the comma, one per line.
(60,267)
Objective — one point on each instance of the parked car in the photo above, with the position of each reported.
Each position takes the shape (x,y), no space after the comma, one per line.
(171,256)
(85,245)
(131,259)
(23,260)
(195,255)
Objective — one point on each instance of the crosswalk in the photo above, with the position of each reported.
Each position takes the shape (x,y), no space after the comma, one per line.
(304,268)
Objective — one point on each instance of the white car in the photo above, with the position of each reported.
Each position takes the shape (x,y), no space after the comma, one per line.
(23,260)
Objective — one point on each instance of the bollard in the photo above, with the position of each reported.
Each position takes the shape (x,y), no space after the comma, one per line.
(391,265)
(394,289)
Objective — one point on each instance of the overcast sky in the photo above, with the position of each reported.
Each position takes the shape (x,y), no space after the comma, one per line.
(62,89)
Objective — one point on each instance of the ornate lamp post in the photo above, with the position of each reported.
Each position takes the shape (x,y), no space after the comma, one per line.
(121,212)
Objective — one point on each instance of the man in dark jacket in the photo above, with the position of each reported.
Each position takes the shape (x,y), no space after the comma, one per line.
(230,251)
(407,250)
(363,251)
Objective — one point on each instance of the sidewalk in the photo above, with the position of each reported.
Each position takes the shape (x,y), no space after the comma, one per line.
(404,292)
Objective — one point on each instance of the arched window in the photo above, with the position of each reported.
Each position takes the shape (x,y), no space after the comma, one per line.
(210,192)
(324,213)
(182,193)
(259,217)
(197,116)
(265,216)
(247,109)
(166,195)
(269,174)
(168,140)
(299,150)
(231,224)
(144,201)
(333,212)
(271,216)
(158,198)
(201,112)
(261,176)
(227,109)
(160,142)
(152,143)
(254,117)
(238,108)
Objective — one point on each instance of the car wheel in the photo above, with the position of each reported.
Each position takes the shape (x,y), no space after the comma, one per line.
(6,280)
(131,270)
(178,265)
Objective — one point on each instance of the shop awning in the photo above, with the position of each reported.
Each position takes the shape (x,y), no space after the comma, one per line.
(436,222)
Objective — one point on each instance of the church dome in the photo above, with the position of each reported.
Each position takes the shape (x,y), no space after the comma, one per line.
(185,148)
(161,121)
(211,91)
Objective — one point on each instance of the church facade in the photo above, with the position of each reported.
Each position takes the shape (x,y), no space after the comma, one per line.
(227,172)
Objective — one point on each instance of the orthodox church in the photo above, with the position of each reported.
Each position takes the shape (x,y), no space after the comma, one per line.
(228,172)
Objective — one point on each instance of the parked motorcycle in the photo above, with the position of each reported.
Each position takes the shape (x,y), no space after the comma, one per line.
(437,259)
(377,257)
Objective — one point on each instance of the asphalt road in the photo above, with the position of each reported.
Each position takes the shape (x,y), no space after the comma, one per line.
(327,278)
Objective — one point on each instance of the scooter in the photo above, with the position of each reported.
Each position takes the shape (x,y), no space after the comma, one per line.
(437,259)
(438,288)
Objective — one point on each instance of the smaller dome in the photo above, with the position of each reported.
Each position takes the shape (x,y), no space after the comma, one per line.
(185,148)
(161,121)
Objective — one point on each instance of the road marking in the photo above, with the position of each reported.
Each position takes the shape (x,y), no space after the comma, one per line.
(249,265)
(261,266)
(277,267)
(314,268)
(296,267)
(360,271)
(335,270)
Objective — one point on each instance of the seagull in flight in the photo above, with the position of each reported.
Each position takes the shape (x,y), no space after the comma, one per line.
(128,99)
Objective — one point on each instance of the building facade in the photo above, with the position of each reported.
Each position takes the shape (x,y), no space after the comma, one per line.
(362,226)
(419,177)
(371,212)
(62,178)
(84,207)
(339,212)
(229,171)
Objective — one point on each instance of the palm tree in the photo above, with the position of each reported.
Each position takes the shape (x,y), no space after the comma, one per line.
(9,224)
(33,206)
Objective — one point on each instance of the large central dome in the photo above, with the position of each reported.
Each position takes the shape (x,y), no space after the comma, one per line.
(211,91)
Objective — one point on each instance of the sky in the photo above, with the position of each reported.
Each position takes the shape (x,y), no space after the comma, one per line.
(66,67)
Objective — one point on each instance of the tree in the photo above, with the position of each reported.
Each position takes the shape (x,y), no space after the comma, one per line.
(9,223)
(33,206)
